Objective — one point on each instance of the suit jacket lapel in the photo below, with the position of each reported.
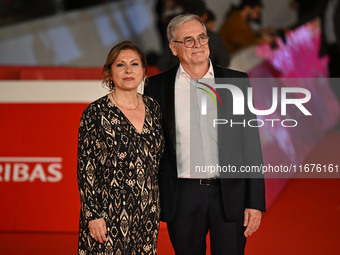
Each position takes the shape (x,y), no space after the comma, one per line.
(170,105)
(220,115)
(218,73)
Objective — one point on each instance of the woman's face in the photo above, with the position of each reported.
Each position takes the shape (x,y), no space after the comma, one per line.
(127,70)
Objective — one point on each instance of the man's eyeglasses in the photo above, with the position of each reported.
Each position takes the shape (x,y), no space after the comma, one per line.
(190,42)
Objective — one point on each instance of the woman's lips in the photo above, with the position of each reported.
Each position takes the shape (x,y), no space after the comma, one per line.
(128,78)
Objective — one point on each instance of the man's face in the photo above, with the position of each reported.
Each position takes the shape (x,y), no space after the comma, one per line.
(196,55)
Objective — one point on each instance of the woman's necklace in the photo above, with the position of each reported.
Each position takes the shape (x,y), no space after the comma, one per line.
(129,109)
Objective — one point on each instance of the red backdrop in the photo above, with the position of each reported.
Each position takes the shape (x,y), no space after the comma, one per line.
(39,196)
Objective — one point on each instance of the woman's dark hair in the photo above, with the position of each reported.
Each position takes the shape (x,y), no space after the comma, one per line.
(113,54)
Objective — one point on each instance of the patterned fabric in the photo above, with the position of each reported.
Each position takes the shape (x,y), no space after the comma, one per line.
(117,178)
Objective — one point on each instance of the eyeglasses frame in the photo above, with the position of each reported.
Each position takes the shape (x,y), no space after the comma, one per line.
(199,41)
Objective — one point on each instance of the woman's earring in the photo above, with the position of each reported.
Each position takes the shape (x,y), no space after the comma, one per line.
(141,87)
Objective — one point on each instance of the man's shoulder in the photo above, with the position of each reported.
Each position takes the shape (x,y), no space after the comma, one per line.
(159,81)
(221,72)
(235,15)
(164,75)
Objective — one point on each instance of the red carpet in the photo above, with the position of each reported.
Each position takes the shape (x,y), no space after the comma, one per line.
(305,219)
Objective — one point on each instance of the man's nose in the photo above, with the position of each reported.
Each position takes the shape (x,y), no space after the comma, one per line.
(197,43)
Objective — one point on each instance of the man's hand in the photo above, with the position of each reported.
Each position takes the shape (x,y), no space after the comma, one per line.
(98,230)
(252,220)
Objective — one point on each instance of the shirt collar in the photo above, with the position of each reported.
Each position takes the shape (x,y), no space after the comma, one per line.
(210,73)
(182,73)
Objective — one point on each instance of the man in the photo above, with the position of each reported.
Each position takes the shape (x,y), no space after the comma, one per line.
(236,31)
(194,203)
(218,54)
(218,51)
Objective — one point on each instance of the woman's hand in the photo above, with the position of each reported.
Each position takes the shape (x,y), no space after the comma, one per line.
(98,230)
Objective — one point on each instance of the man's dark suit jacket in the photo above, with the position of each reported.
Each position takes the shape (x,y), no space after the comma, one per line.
(240,146)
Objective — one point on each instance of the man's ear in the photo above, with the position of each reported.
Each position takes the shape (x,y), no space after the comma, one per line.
(173,48)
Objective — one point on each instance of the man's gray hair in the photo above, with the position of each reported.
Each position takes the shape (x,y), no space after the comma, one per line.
(178,21)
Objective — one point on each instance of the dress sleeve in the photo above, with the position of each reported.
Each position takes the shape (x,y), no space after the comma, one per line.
(87,164)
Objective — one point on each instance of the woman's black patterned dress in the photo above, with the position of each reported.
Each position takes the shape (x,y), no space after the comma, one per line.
(117,178)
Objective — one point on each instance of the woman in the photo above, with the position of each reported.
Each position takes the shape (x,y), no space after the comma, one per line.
(119,148)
